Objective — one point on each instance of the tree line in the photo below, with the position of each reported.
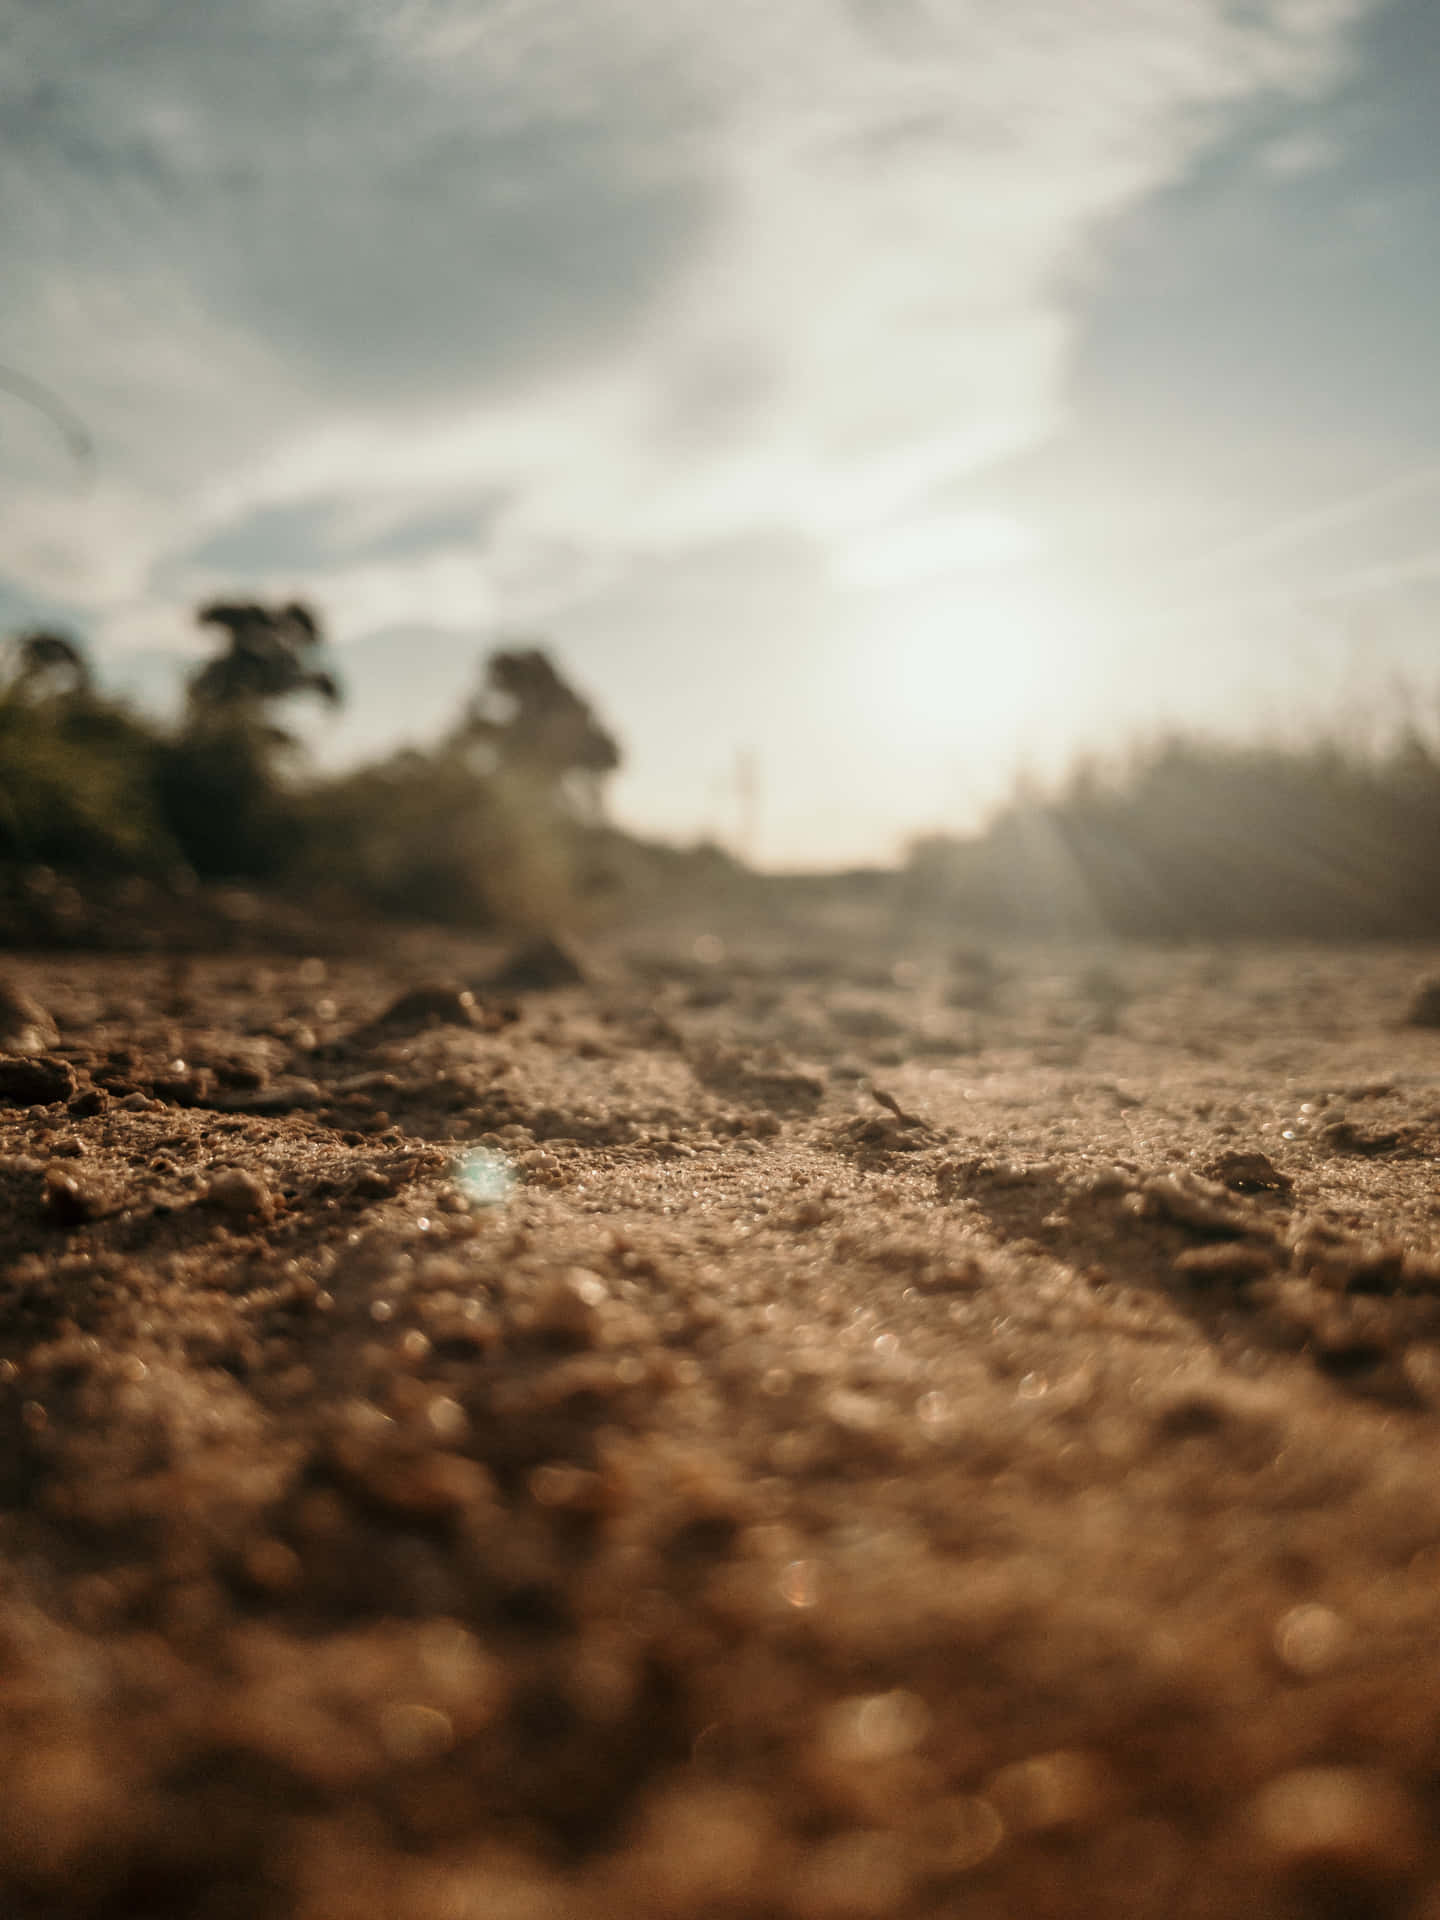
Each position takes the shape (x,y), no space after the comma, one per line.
(500,819)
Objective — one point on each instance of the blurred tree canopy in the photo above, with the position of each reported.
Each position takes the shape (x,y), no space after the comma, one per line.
(222,781)
(41,664)
(268,656)
(528,724)
(500,821)
(76,768)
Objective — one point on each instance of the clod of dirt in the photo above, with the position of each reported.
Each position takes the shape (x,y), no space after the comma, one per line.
(1348,1264)
(35,1083)
(240,1076)
(1233,1260)
(25,1026)
(1345,1137)
(433,1005)
(568,1310)
(538,967)
(239,1194)
(1249,1173)
(67,1200)
(192,1088)
(1425,1007)
(1192,1202)
(884,1136)
(288,1095)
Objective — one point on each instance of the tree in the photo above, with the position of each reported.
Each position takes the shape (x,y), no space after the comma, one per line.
(45,665)
(534,729)
(269,656)
(75,764)
(220,779)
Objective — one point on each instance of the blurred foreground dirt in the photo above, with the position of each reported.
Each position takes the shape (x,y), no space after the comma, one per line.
(754,1434)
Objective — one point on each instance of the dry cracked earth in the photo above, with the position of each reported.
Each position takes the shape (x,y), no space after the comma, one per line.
(805,1431)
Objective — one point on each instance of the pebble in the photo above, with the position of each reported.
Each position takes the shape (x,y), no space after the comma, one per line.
(67,1201)
(239,1193)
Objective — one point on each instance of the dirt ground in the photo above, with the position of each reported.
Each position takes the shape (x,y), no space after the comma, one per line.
(822,1431)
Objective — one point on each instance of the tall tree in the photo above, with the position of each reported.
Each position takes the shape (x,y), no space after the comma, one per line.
(269,654)
(532,725)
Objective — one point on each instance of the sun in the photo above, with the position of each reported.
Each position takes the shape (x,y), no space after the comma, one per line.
(993,673)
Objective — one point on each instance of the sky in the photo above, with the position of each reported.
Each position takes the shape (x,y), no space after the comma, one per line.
(885,396)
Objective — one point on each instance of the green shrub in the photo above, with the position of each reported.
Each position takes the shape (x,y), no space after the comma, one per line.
(76,788)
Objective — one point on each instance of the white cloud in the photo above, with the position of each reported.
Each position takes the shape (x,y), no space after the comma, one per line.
(652,276)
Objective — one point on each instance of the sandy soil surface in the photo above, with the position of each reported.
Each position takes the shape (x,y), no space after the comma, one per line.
(823,1432)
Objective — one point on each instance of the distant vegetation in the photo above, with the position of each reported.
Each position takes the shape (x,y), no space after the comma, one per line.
(501,822)
(1199,839)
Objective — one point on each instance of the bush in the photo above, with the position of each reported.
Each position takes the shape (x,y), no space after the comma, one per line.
(76,788)
(1200,839)
(222,802)
(425,837)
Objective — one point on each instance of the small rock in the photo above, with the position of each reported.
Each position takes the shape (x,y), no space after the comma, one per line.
(242,1076)
(187,1089)
(66,1200)
(26,1082)
(1249,1173)
(25,1026)
(239,1193)
(432,1005)
(538,967)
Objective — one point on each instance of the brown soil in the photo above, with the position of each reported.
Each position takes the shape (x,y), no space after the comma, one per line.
(917,1438)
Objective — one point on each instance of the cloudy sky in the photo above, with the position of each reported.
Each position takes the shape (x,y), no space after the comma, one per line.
(894,392)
